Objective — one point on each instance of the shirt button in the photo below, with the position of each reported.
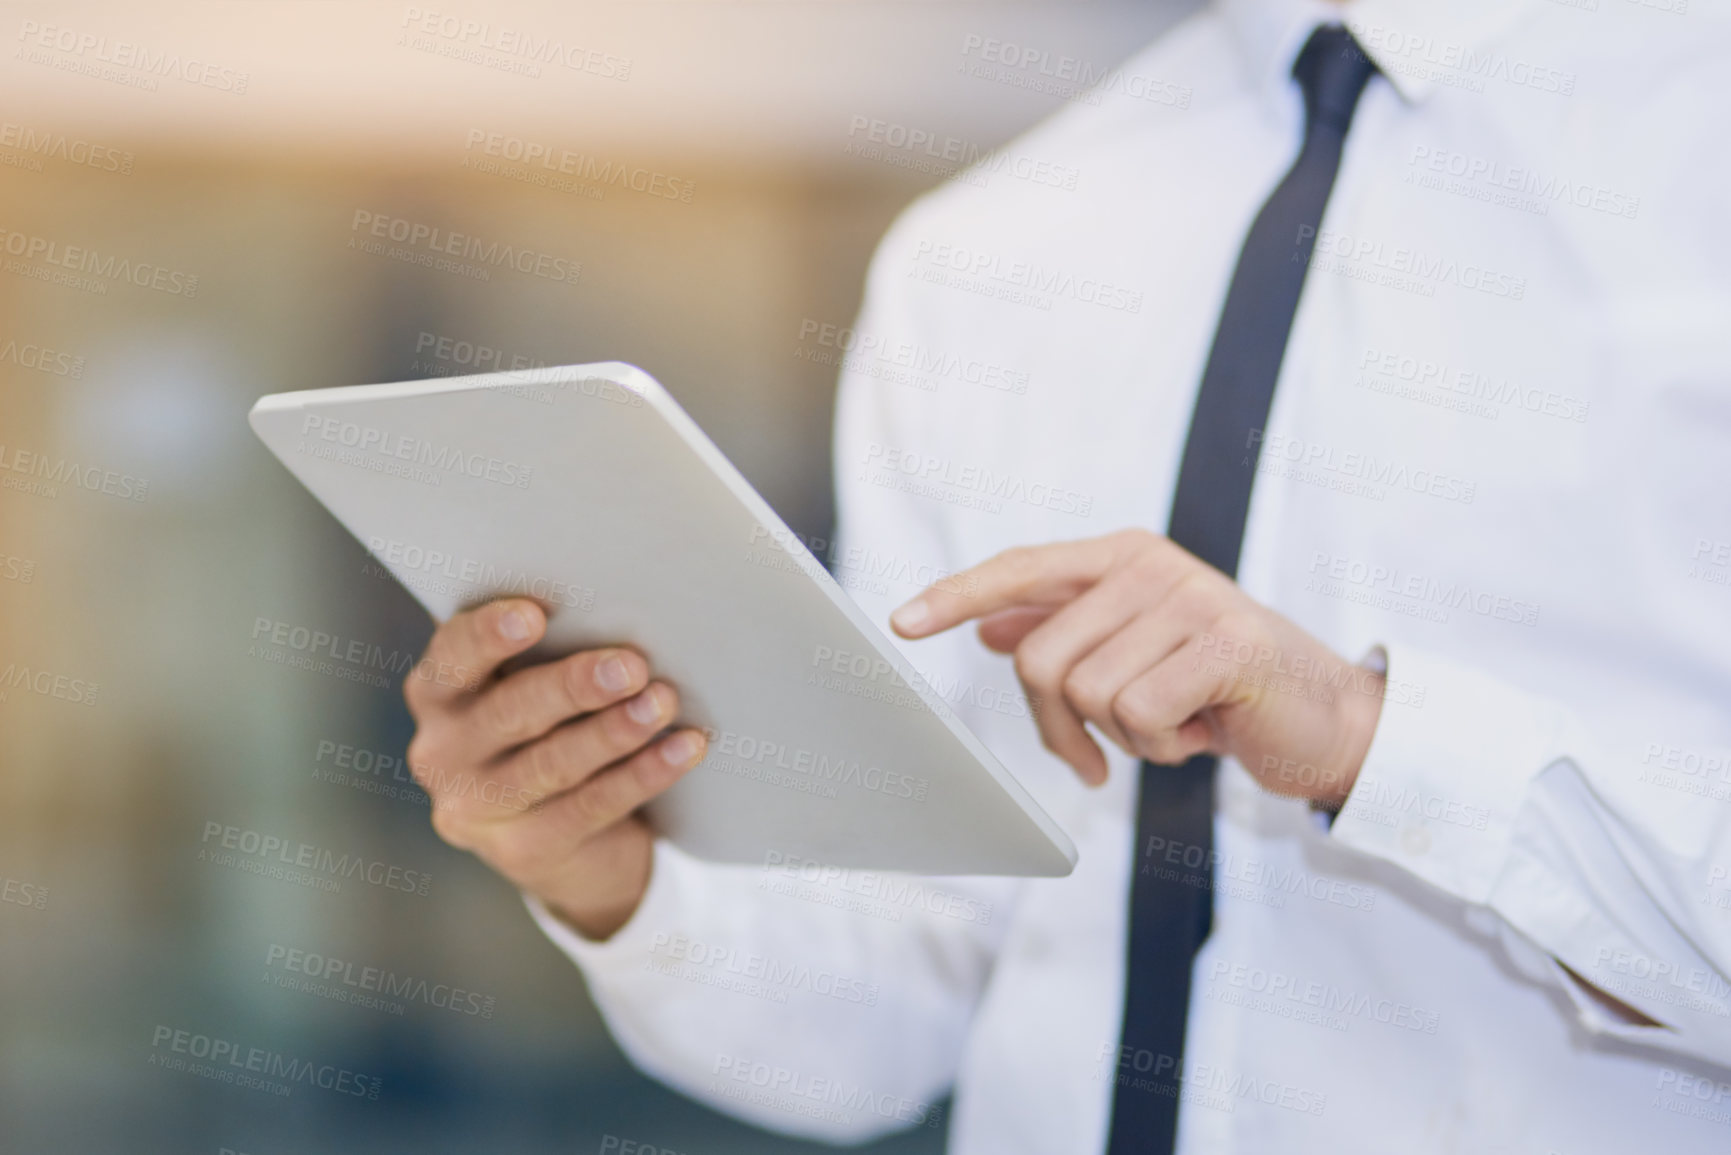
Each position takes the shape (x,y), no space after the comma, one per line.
(1415,840)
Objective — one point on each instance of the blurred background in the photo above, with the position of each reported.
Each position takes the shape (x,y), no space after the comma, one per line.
(179,190)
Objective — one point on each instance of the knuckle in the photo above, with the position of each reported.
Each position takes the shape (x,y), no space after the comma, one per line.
(1165,554)
(1142,565)
(576,682)
(465,636)
(626,789)
(450,827)
(455,630)
(1136,713)
(1161,749)
(1153,741)
(501,712)
(1191,600)
(513,856)
(589,811)
(1196,588)
(1137,552)
(1035,671)
(638,781)
(541,768)
(417,685)
(1239,627)
(1085,692)
(620,733)
(645,777)
(424,753)
(1138,540)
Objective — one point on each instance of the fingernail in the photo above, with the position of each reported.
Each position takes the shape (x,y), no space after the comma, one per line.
(612,675)
(644,709)
(911,615)
(679,749)
(515,625)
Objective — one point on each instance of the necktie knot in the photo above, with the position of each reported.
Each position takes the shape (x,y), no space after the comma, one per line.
(1332,71)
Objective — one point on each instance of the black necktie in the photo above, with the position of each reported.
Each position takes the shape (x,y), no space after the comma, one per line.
(1172,888)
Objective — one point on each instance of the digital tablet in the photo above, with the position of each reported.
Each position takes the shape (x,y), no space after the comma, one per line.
(588,488)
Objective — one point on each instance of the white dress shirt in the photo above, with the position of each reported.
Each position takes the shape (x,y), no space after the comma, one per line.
(1498,450)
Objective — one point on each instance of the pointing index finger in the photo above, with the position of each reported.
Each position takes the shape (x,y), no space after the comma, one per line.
(1027,575)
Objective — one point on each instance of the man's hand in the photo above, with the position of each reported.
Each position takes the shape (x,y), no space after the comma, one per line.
(1167,657)
(540,772)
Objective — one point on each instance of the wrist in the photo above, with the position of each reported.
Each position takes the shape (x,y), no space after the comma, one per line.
(597,924)
(600,901)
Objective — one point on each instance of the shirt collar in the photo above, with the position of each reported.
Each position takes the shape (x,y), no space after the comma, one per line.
(1418,44)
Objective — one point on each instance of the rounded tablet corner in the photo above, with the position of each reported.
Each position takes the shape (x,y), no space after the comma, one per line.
(273,403)
(639,381)
(1065,864)
(270,408)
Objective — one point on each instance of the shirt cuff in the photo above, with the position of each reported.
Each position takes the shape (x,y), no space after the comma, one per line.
(628,946)
(1453,757)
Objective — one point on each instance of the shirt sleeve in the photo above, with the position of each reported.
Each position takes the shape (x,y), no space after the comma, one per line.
(787,1000)
(819,1002)
(1508,801)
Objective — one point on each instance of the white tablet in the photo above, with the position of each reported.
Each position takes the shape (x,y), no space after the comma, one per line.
(589,489)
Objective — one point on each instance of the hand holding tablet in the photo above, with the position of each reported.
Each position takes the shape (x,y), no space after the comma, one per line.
(472,489)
